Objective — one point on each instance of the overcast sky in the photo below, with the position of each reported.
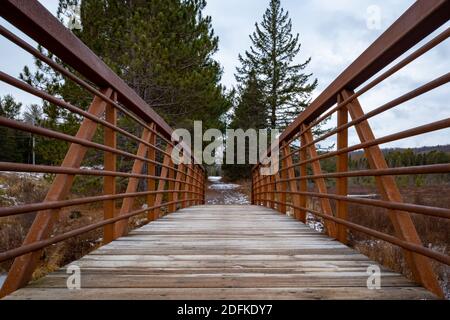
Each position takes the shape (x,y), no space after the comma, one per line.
(333,33)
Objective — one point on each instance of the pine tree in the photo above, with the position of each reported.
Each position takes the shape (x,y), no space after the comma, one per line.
(162,49)
(274,48)
(13,142)
(9,108)
(250,113)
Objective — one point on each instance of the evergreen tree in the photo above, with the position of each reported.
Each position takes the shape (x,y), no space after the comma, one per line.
(250,113)
(162,49)
(274,48)
(9,108)
(13,142)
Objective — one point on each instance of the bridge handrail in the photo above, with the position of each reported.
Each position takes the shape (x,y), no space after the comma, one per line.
(154,178)
(300,161)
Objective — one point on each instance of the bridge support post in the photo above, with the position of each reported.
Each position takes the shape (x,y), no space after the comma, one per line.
(178,183)
(255,187)
(304,182)
(110,164)
(162,182)
(282,175)
(121,227)
(151,171)
(188,186)
(295,198)
(271,191)
(320,182)
(401,220)
(342,166)
(171,187)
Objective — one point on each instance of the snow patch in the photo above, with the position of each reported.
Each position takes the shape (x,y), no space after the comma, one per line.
(2,279)
(97,167)
(313,222)
(224,186)
(29,175)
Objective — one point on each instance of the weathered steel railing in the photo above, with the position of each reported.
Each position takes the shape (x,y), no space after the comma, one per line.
(166,186)
(300,161)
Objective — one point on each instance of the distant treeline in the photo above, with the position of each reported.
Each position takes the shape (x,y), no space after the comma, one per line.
(396,158)
(404,158)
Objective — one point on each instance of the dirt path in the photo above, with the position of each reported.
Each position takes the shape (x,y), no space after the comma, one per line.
(219,192)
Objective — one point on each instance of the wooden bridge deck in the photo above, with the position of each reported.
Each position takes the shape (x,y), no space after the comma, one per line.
(224,252)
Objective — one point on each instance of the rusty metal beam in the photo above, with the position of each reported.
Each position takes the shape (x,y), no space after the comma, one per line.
(110,164)
(320,183)
(121,228)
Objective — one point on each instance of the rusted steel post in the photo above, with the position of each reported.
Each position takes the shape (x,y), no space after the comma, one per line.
(151,171)
(171,186)
(204,187)
(194,185)
(401,220)
(161,182)
(179,183)
(200,177)
(110,164)
(303,185)
(188,186)
(255,187)
(23,267)
(252,197)
(320,183)
(277,189)
(121,227)
(342,166)
(295,198)
(283,175)
(266,180)
(261,189)
(271,189)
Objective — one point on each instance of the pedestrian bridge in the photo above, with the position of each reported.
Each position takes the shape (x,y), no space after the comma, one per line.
(224,252)
(188,250)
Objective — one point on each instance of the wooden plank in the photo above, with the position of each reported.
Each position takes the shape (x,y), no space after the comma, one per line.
(344,293)
(224,252)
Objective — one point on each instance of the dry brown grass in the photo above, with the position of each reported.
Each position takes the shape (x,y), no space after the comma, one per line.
(434,232)
(24,190)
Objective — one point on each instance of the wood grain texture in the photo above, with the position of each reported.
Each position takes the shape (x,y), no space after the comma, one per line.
(224,252)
